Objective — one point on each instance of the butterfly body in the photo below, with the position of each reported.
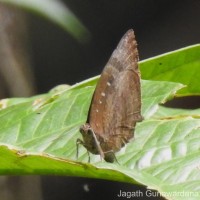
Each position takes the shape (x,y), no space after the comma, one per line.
(116,104)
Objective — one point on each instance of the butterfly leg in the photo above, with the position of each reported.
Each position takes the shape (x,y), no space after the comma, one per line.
(78,142)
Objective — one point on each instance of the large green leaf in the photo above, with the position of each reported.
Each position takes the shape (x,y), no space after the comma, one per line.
(57,12)
(39,135)
(56,117)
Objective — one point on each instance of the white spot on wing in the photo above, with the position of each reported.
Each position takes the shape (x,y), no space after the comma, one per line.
(103,94)
(108,84)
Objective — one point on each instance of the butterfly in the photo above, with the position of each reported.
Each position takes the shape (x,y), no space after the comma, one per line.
(116,104)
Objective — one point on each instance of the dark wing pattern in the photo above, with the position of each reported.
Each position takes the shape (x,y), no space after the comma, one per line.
(116,103)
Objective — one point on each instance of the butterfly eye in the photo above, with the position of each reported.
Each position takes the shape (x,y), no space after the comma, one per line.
(89,132)
(83,130)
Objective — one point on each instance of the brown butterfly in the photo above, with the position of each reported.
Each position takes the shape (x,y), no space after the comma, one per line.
(116,103)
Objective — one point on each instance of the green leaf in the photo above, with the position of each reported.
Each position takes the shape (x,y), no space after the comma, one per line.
(55,11)
(156,92)
(54,116)
(181,66)
(168,153)
(39,133)
(175,113)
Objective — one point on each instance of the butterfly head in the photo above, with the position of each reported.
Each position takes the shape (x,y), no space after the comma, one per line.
(89,138)
(86,131)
